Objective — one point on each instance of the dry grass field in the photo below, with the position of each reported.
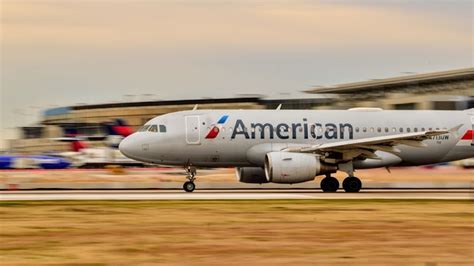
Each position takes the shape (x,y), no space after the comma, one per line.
(262,232)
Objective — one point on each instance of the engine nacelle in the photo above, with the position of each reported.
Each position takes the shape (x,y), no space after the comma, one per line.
(254,175)
(289,168)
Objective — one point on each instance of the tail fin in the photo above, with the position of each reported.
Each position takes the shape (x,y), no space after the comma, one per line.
(118,128)
(70,132)
(120,122)
(78,145)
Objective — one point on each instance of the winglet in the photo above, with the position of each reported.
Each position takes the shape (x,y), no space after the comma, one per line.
(195,107)
(279,107)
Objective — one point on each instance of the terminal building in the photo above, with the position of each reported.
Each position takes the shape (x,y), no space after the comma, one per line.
(447,90)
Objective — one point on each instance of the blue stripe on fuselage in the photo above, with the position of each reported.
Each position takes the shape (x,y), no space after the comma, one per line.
(222,119)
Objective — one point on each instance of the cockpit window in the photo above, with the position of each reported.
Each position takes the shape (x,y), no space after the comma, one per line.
(153,128)
(144,128)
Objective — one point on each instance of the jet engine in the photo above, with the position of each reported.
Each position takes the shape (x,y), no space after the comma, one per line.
(254,175)
(289,168)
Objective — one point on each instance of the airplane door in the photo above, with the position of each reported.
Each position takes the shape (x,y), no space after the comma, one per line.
(193,134)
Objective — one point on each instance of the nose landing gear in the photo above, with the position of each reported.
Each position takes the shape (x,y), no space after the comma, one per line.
(189,185)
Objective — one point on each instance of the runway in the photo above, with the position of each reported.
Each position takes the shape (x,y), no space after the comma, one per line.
(408,194)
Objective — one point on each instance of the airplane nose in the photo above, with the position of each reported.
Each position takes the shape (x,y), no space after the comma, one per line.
(127,147)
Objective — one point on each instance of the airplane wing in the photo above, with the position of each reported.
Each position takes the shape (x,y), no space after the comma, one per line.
(366,147)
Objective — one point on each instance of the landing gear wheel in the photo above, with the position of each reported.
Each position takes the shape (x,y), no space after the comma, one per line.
(352,184)
(329,184)
(189,186)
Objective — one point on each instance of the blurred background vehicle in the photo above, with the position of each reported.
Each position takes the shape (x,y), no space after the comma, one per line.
(33,162)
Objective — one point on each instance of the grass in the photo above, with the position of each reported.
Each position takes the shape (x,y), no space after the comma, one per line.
(271,232)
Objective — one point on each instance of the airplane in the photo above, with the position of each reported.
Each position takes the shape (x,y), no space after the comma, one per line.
(294,146)
(80,155)
(86,157)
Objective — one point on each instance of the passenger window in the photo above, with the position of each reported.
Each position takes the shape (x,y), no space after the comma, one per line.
(162,128)
(422,129)
(394,130)
(408,130)
(416,129)
(401,130)
(357,129)
(364,129)
(153,128)
(379,129)
(372,129)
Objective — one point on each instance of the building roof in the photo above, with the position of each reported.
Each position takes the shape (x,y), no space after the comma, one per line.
(165,103)
(203,101)
(399,82)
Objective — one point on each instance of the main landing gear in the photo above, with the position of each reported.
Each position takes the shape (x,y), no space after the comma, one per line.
(350,184)
(329,184)
(189,185)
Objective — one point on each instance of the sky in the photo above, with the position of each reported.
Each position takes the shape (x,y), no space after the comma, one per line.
(64,52)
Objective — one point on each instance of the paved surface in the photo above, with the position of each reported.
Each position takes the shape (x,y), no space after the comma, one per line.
(446,194)
(227,185)
(223,178)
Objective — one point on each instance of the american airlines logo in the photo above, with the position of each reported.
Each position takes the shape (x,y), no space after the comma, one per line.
(213,132)
(303,130)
